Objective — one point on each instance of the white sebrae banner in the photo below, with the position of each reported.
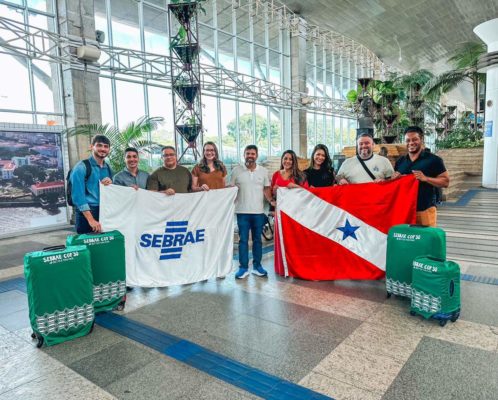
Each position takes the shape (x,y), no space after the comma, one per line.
(171,240)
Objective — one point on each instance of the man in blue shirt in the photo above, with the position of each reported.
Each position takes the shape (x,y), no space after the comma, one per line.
(131,176)
(85,192)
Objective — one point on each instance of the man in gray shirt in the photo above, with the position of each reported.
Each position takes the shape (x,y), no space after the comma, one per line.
(131,176)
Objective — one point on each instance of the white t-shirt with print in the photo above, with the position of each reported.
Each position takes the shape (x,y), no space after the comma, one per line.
(353,171)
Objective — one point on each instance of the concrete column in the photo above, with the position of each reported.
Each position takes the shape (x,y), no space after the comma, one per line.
(80,81)
(488,32)
(298,83)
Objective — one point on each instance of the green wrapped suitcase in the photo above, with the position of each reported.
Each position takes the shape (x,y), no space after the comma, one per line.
(436,289)
(108,267)
(405,243)
(60,295)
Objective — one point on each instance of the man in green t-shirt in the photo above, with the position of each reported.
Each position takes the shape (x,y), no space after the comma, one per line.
(171,178)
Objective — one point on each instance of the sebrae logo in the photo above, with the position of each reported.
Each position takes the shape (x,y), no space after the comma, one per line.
(176,236)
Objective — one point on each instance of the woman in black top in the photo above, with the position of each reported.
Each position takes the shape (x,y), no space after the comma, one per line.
(320,173)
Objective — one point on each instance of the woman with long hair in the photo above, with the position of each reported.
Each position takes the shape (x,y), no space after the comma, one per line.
(210,173)
(320,173)
(289,174)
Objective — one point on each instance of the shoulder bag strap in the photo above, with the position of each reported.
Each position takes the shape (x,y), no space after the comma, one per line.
(366,168)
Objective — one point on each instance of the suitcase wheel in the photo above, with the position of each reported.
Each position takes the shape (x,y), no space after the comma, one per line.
(388,295)
(39,344)
(442,322)
(413,313)
(33,335)
(455,316)
(121,306)
(91,328)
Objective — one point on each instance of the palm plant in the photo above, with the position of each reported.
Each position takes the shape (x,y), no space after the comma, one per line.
(465,62)
(133,135)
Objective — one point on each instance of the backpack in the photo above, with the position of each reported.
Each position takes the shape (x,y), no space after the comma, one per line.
(69,185)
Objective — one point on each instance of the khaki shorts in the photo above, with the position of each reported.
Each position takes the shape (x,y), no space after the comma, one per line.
(427,217)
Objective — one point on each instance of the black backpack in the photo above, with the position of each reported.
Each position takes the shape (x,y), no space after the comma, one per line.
(69,185)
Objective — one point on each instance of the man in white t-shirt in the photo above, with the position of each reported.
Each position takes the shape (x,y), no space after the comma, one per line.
(352,170)
(254,185)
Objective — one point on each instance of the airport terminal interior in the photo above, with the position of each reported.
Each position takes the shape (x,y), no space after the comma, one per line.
(281,75)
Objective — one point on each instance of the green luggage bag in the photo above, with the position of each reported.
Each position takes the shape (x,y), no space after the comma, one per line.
(108,267)
(436,289)
(60,293)
(405,243)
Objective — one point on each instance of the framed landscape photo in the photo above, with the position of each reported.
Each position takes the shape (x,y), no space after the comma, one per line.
(32,181)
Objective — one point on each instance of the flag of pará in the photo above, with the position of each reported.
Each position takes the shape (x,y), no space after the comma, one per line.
(171,240)
(340,232)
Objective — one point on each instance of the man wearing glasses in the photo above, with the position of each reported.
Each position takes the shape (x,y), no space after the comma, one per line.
(171,178)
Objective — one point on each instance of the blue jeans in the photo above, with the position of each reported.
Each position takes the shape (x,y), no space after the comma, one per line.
(81,224)
(253,223)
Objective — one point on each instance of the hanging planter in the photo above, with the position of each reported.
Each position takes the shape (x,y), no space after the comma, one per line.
(189,132)
(389,139)
(187,52)
(183,11)
(187,92)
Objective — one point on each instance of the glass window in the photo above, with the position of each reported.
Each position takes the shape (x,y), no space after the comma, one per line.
(45,79)
(210,119)
(246,124)
(224,15)
(14,86)
(130,102)
(260,63)
(205,13)
(243,57)
(225,51)
(262,125)
(259,29)
(274,37)
(311,131)
(16,118)
(40,5)
(125,31)
(242,23)
(106,105)
(206,40)
(101,19)
(337,135)
(160,105)
(229,131)
(276,115)
(329,134)
(275,74)
(160,3)
(155,30)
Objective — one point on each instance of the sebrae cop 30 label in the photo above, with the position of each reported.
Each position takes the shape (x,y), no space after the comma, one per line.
(424,267)
(406,237)
(96,240)
(60,257)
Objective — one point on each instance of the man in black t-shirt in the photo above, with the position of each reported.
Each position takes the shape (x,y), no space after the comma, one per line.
(428,169)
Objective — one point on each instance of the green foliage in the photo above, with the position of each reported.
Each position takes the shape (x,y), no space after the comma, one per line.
(461,137)
(465,63)
(467,55)
(415,80)
(133,135)
(245,124)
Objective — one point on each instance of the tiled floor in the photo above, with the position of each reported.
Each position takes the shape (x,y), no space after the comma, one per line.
(341,339)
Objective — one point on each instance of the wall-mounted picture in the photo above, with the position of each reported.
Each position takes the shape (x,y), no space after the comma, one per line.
(32,187)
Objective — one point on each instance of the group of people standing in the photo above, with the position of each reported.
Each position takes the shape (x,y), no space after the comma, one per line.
(252,180)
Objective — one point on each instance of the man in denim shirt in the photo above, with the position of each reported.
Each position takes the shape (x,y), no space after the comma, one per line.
(86,193)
